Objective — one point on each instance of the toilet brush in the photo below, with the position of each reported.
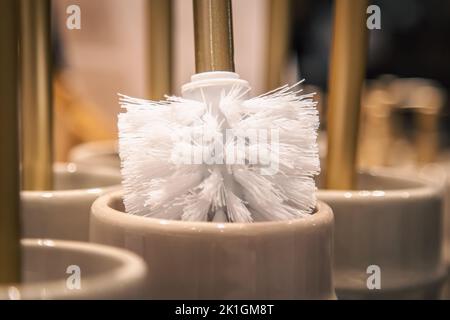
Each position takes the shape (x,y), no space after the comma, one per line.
(9,132)
(213,154)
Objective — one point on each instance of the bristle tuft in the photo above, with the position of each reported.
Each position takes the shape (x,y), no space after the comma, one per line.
(160,141)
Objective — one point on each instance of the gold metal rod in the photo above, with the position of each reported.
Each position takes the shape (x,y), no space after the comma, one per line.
(213,27)
(278,42)
(347,73)
(159,48)
(9,144)
(36,95)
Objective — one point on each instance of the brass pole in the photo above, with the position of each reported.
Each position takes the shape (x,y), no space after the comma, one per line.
(9,131)
(347,73)
(278,42)
(213,27)
(36,95)
(160,48)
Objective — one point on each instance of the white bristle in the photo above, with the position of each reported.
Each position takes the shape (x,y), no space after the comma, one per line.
(159,143)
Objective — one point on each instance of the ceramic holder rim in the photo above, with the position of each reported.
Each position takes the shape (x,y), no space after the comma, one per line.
(72,168)
(322,216)
(131,269)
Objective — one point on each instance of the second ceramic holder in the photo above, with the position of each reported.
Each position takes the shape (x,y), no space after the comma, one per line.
(63,213)
(390,228)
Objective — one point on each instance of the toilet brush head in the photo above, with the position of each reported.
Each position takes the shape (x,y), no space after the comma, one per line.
(220,157)
(215,155)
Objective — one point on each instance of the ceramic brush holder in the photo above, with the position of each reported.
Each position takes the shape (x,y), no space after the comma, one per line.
(446,167)
(439,173)
(64,212)
(392,223)
(201,260)
(105,273)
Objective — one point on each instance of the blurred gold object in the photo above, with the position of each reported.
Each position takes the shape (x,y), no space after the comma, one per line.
(76,120)
(214,48)
(347,73)
(428,101)
(424,98)
(9,144)
(160,48)
(376,132)
(278,42)
(36,95)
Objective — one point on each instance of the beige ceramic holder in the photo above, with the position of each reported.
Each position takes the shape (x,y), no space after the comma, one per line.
(395,225)
(438,173)
(201,260)
(64,213)
(97,153)
(446,167)
(105,273)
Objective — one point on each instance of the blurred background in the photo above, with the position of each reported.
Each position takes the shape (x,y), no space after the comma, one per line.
(405,105)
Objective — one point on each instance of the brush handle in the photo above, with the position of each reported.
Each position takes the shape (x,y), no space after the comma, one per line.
(9,131)
(36,95)
(278,42)
(159,67)
(213,26)
(347,73)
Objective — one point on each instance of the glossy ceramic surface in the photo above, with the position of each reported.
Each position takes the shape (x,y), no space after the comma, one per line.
(188,260)
(98,153)
(105,273)
(439,173)
(64,212)
(394,223)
